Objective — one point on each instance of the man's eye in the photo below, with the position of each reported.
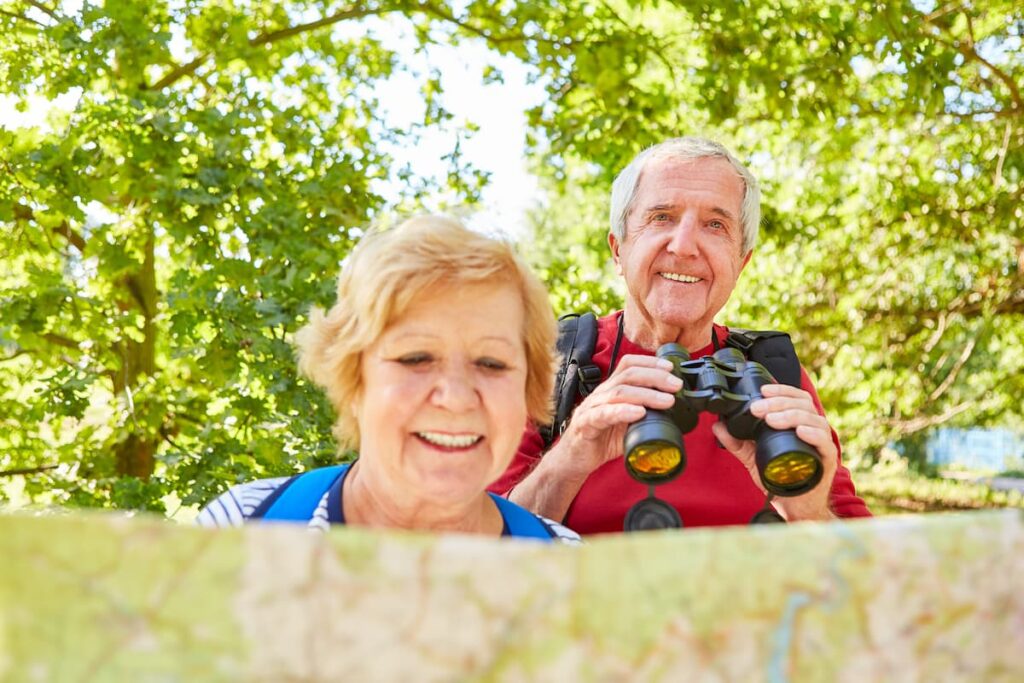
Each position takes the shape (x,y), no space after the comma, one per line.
(660,217)
(717,225)
(492,364)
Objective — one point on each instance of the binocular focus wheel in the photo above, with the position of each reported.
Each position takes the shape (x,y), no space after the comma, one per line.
(651,514)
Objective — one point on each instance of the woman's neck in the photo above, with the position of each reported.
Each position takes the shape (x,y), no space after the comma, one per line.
(366,503)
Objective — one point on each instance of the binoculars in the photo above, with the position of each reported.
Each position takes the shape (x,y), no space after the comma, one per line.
(725,384)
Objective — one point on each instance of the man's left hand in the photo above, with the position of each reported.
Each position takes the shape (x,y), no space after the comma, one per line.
(786,407)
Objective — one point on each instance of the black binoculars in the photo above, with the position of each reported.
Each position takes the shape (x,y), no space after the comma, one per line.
(725,384)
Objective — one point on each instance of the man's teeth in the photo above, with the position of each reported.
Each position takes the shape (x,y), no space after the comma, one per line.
(680,278)
(450,440)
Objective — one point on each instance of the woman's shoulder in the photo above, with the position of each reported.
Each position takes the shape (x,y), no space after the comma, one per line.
(560,533)
(237,504)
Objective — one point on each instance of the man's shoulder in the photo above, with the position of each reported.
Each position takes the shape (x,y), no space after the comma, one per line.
(608,324)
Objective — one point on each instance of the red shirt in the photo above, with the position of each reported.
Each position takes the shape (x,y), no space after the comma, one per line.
(714,489)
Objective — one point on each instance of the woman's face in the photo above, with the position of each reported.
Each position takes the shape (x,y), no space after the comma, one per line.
(443,403)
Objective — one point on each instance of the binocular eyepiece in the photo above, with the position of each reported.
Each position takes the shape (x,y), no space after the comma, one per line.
(725,384)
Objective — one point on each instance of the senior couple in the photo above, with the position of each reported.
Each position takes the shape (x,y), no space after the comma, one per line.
(440,348)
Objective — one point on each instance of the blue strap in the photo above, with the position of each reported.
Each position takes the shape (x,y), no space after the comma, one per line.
(521,522)
(297,498)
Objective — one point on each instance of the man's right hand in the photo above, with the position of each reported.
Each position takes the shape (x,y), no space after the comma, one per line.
(595,432)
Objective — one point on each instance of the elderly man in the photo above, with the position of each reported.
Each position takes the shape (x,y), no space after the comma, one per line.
(684,221)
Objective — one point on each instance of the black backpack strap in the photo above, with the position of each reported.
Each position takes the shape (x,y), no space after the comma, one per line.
(772,349)
(577,375)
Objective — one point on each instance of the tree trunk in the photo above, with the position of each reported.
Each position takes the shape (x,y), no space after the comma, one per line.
(135,454)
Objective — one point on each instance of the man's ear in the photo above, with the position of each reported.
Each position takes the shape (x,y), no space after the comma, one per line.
(613,244)
(746,259)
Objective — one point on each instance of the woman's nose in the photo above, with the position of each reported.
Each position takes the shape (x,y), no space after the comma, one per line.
(456,389)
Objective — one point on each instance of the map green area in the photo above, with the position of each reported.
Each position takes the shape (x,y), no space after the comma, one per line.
(106,598)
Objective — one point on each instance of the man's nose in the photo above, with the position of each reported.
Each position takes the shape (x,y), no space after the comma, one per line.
(683,241)
(456,389)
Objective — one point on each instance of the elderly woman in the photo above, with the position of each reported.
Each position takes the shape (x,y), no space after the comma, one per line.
(438,350)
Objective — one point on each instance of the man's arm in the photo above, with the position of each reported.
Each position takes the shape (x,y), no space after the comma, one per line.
(552,485)
(595,434)
(786,407)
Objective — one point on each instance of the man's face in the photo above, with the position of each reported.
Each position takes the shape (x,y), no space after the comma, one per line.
(683,253)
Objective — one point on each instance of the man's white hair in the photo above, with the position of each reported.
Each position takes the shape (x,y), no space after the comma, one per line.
(624,188)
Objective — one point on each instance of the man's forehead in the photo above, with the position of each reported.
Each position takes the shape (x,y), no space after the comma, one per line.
(699,167)
(668,181)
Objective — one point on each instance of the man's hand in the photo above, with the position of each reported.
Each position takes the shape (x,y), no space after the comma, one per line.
(595,433)
(599,423)
(786,407)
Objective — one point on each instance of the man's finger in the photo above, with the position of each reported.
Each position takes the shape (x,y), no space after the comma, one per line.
(728,441)
(639,396)
(607,416)
(770,390)
(655,378)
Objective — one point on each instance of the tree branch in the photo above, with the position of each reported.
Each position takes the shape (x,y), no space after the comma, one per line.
(917,424)
(45,10)
(998,180)
(940,329)
(658,52)
(190,68)
(955,371)
(489,37)
(17,352)
(281,34)
(941,12)
(179,72)
(27,470)
(970,53)
(60,340)
(22,17)
(23,213)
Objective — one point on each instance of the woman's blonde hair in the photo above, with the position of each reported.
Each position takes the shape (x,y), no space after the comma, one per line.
(380,278)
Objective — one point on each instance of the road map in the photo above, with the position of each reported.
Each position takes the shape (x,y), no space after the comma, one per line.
(103,597)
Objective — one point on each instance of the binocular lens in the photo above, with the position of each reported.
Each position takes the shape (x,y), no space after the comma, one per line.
(791,469)
(788,465)
(654,458)
(654,449)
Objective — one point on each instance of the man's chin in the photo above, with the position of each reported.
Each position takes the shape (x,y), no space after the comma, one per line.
(685,327)
(683,320)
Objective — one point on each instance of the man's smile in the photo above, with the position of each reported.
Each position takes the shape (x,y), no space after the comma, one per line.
(679,277)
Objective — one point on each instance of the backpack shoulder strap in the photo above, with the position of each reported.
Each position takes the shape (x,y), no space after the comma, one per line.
(521,523)
(577,375)
(296,499)
(774,350)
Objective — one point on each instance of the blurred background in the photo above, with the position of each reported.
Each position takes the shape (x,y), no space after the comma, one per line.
(179,182)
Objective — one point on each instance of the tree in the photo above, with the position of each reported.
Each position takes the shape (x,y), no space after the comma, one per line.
(890,141)
(162,240)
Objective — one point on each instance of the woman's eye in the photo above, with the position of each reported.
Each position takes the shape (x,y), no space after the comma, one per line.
(660,217)
(492,364)
(717,225)
(413,359)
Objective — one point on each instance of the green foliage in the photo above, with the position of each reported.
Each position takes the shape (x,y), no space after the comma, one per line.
(164,235)
(891,486)
(889,139)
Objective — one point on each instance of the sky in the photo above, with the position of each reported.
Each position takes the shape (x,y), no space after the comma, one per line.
(499,111)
